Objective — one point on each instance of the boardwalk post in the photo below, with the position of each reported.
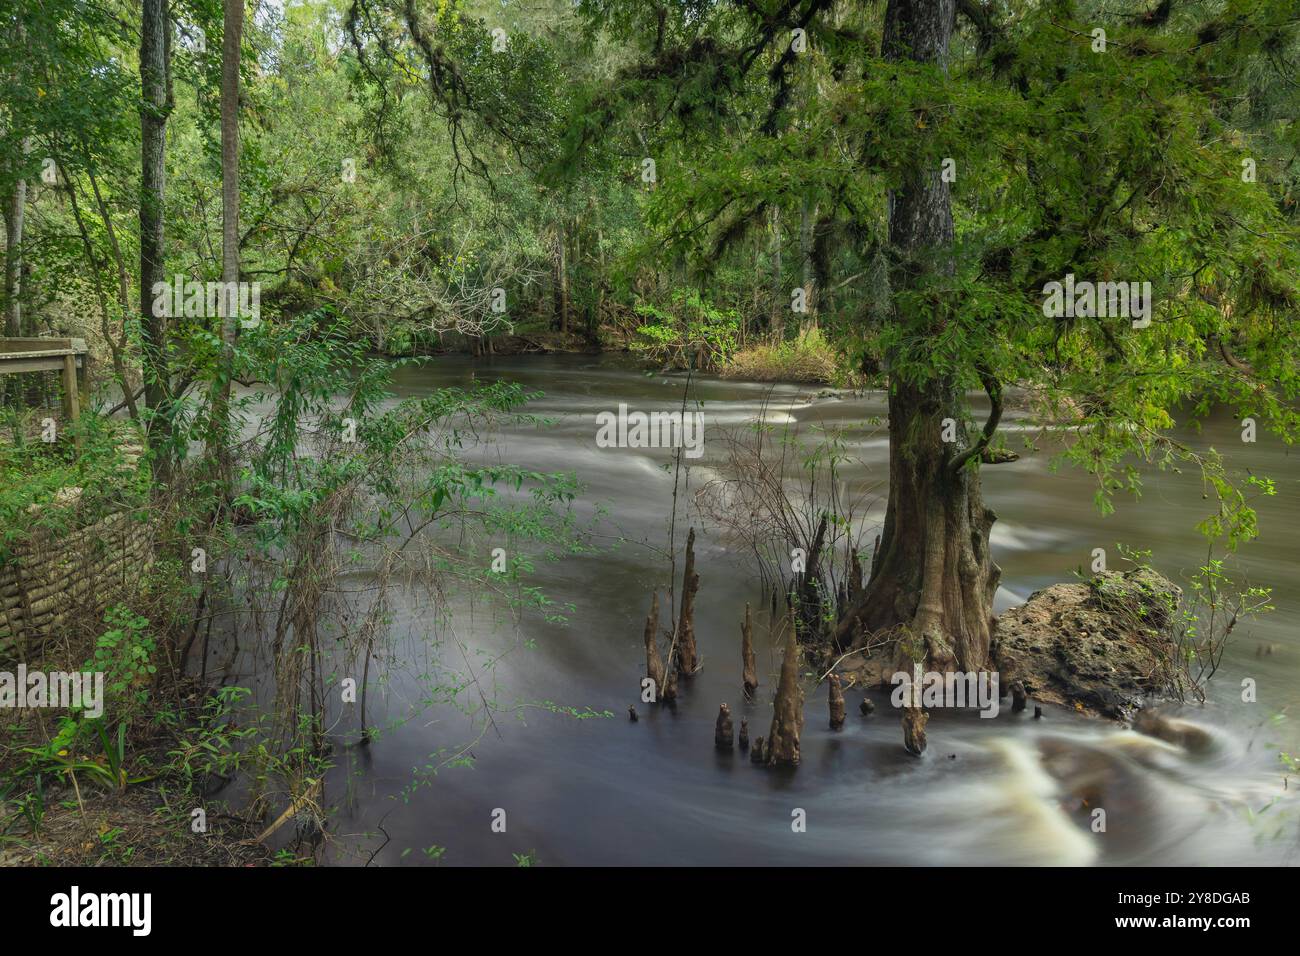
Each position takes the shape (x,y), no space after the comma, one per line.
(70,402)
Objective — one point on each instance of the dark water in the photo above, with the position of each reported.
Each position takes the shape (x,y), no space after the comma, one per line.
(607,791)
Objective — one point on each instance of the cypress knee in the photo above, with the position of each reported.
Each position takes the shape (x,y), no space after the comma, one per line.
(757,755)
(654,668)
(687,655)
(836,702)
(749,672)
(744,734)
(787,711)
(723,734)
(914,721)
(670,682)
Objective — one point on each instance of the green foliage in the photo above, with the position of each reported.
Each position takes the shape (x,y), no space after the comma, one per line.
(690,333)
(89,456)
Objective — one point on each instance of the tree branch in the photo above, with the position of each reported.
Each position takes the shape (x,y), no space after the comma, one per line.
(994,389)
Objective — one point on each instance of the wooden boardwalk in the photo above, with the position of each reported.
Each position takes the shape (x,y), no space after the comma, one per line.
(69,356)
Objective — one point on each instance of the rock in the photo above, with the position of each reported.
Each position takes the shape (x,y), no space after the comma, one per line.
(744,734)
(1100,647)
(866,708)
(723,734)
(1018,697)
(835,696)
(631,713)
(1172,730)
(914,721)
(1038,713)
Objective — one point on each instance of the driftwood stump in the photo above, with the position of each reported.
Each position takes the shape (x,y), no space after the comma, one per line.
(749,671)
(688,660)
(654,667)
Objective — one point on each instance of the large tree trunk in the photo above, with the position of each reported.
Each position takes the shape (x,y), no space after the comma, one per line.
(154,49)
(933,578)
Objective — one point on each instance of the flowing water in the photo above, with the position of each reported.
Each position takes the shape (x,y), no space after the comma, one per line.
(606,791)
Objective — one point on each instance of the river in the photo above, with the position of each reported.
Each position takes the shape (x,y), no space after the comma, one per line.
(607,791)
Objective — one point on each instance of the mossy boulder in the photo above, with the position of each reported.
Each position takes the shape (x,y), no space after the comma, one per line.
(1103,646)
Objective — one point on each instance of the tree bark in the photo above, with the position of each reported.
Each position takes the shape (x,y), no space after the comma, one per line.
(233,27)
(933,577)
(155,105)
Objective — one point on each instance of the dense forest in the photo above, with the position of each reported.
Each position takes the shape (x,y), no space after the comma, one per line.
(322,320)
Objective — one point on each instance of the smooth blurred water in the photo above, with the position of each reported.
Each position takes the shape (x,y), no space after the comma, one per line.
(607,791)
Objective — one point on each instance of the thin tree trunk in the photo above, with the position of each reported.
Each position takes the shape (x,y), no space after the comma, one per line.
(117,347)
(155,105)
(92,261)
(15,206)
(807,236)
(233,26)
(776,321)
(561,278)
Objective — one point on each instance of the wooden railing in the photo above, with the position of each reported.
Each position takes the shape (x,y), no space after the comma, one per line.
(69,356)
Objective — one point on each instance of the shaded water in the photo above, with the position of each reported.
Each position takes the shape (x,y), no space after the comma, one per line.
(606,791)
